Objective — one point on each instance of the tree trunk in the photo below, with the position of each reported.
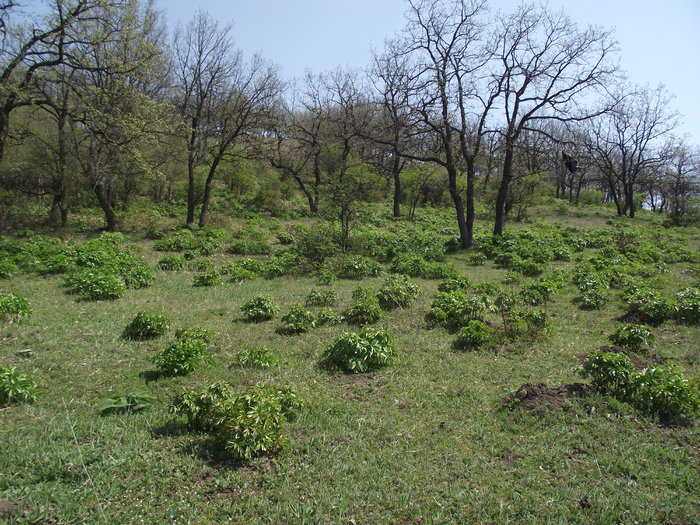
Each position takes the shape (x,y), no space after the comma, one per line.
(207,191)
(499,223)
(396,173)
(191,196)
(107,206)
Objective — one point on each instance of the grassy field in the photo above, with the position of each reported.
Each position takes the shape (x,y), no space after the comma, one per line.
(425,440)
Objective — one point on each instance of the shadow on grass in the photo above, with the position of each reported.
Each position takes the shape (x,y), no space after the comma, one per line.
(153,375)
(171,428)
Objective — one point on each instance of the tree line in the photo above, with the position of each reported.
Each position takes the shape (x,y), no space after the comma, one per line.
(99,103)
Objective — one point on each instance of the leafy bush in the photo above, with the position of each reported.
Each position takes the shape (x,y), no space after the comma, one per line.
(352,352)
(207,278)
(256,357)
(416,266)
(146,326)
(636,337)
(475,335)
(298,320)
(127,402)
(529,268)
(13,307)
(660,392)
(172,263)
(7,269)
(16,386)
(250,247)
(259,308)
(537,293)
(355,267)
(200,265)
(593,298)
(188,333)
(454,310)
(200,407)
(56,264)
(285,238)
(321,298)
(95,284)
(326,316)
(477,259)
(654,308)
(181,357)
(398,291)
(487,287)
(181,241)
(236,273)
(461,282)
(688,306)
(364,310)
(530,323)
(137,274)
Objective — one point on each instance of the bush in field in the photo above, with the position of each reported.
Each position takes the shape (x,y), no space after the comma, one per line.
(285,238)
(181,357)
(688,306)
(95,284)
(179,242)
(256,357)
(475,335)
(537,293)
(259,308)
(398,291)
(360,352)
(189,333)
(461,282)
(321,298)
(207,278)
(298,320)
(13,307)
(654,308)
(172,263)
(364,309)
(250,247)
(416,266)
(200,265)
(487,288)
(454,310)
(477,259)
(657,391)
(200,407)
(236,273)
(527,323)
(7,269)
(326,316)
(636,337)
(355,267)
(16,387)
(146,326)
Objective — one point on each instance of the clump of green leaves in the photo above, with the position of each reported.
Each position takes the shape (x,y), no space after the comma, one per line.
(414,265)
(364,310)
(146,326)
(475,335)
(298,320)
(461,282)
(172,263)
(688,306)
(322,298)
(128,402)
(636,337)
(250,247)
(256,357)
(95,284)
(188,333)
(201,265)
(398,291)
(370,349)
(182,357)
(454,310)
(661,392)
(16,386)
(13,307)
(259,308)
(207,278)
(237,273)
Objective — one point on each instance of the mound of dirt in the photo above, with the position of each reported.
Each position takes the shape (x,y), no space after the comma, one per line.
(531,396)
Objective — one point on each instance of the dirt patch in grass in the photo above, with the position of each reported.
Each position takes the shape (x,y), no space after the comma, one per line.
(361,386)
(531,396)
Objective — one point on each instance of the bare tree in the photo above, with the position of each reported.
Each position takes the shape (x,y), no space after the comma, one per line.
(546,67)
(631,139)
(220,99)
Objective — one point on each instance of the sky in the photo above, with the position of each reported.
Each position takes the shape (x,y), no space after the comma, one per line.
(659,39)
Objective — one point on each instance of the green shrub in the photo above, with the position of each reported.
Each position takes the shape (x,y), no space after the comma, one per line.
(593,298)
(326,316)
(636,337)
(537,293)
(654,308)
(181,241)
(529,268)
(259,308)
(285,238)
(13,307)
(364,310)
(188,333)
(352,352)
(172,263)
(688,306)
(256,357)
(181,357)
(200,265)
(207,278)
(477,259)
(326,277)
(126,403)
(461,282)
(475,335)
(95,284)
(454,310)
(487,288)
(354,267)
(56,264)
(146,326)
(416,266)
(200,407)
(137,274)
(236,273)
(609,372)
(664,393)
(298,320)
(527,323)
(250,247)
(398,291)
(321,298)
(16,387)
(7,269)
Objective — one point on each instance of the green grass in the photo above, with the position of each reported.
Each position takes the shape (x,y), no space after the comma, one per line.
(425,440)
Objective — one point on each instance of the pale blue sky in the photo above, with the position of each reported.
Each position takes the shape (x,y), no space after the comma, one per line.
(660,39)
